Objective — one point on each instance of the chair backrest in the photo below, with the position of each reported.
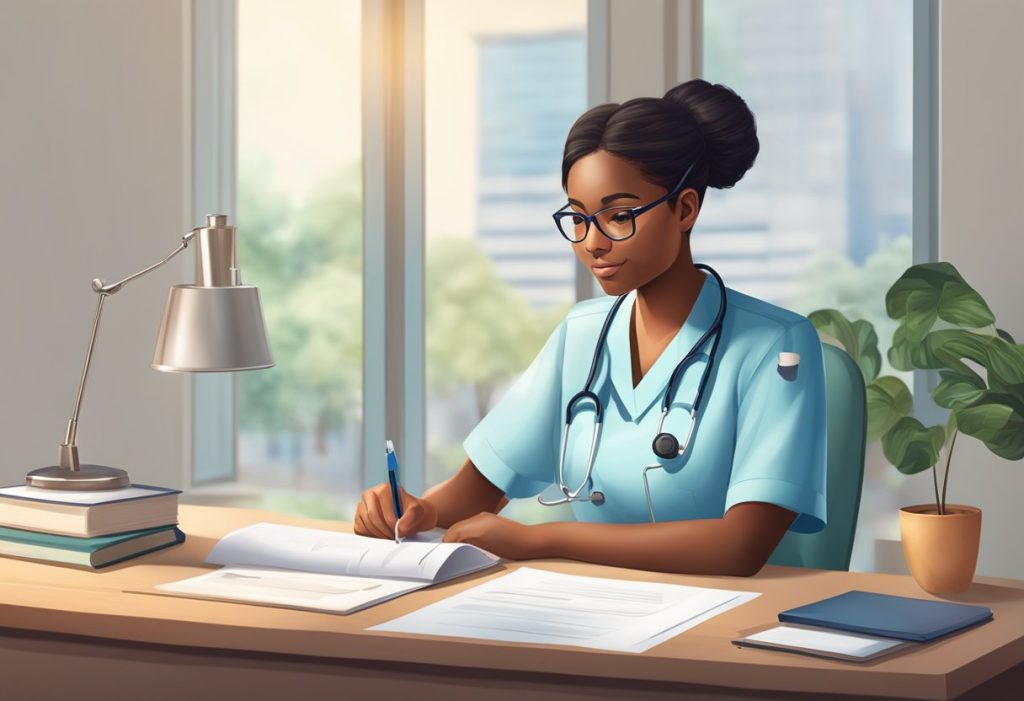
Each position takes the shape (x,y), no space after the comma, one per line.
(846,426)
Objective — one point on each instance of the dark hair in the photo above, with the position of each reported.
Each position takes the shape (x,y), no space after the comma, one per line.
(662,136)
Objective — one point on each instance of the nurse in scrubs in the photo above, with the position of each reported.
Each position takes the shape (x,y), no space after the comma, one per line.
(755,464)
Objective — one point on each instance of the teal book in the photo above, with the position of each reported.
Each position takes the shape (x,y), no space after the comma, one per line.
(95,552)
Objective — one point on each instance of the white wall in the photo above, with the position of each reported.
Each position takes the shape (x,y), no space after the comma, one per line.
(95,142)
(981,232)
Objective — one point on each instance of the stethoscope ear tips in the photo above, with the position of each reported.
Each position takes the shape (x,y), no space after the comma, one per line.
(666,446)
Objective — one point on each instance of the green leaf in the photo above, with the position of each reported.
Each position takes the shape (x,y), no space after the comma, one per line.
(858,338)
(1005,335)
(1003,361)
(888,401)
(834,323)
(959,304)
(896,297)
(920,277)
(929,291)
(1005,364)
(870,360)
(944,349)
(997,421)
(912,448)
(899,353)
(922,310)
(958,389)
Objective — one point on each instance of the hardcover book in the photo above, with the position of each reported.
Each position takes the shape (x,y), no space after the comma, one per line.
(88,513)
(95,552)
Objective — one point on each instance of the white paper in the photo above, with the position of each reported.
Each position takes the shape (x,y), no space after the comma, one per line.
(852,644)
(314,592)
(424,557)
(536,606)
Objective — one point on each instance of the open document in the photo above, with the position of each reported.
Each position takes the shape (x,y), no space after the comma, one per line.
(319,570)
(536,606)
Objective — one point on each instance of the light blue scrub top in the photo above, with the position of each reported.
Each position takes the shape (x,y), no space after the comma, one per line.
(760,433)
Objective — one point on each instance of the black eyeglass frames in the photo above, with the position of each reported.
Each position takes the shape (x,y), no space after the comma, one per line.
(617,222)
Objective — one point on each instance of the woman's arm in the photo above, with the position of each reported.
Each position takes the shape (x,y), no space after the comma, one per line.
(466,504)
(464,494)
(737,544)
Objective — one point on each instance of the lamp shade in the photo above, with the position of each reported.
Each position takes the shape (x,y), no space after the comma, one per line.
(212,329)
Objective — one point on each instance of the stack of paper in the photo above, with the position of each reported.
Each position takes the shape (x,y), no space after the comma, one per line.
(535,606)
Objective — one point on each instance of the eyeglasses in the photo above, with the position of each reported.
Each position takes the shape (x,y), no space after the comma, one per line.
(618,223)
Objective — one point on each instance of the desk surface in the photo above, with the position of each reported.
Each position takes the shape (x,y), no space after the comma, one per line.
(40,597)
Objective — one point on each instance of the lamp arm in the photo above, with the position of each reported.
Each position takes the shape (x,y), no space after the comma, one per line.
(100,287)
(68,452)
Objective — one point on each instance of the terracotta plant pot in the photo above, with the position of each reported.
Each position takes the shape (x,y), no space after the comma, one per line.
(941,551)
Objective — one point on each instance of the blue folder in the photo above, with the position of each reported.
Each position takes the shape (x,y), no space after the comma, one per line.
(888,616)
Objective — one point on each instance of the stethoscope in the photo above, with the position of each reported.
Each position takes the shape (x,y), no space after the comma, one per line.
(665,445)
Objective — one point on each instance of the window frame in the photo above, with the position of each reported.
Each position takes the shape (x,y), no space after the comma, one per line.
(925,179)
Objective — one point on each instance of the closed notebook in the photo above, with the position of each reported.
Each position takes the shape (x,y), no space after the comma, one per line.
(88,513)
(888,616)
(88,552)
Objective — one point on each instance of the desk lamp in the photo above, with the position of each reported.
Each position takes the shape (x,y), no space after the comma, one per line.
(215,325)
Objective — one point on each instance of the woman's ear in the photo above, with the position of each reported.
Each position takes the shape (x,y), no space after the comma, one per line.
(688,206)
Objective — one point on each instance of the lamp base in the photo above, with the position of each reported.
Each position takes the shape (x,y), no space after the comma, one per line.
(85,478)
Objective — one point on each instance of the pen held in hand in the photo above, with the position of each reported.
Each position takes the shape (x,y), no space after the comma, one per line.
(396,493)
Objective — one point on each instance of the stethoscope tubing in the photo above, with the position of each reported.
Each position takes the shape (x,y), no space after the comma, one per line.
(587,393)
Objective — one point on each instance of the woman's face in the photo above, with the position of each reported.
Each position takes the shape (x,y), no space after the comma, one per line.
(599,180)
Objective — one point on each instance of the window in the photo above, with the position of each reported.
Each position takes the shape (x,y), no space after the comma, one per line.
(300,235)
(824,218)
(827,205)
(504,83)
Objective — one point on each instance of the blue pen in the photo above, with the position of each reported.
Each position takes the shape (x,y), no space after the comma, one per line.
(396,495)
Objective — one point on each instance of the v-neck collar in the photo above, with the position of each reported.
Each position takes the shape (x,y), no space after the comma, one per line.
(653,384)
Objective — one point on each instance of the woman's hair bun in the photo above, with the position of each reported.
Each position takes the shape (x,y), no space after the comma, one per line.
(727,125)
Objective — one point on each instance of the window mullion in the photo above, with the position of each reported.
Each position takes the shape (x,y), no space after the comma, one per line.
(411,393)
(214,156)
(689,38)
(598,54)
(376,77)
(393,262)
(925,187)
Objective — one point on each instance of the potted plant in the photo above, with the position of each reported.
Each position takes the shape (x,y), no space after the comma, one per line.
(943,322)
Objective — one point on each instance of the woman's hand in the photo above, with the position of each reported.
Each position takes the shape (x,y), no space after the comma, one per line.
(501,536)
(375,515)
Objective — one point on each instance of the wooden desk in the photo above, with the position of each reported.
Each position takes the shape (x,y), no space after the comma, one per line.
(71,633)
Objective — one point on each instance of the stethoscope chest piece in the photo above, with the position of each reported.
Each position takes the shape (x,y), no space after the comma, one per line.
(666,446)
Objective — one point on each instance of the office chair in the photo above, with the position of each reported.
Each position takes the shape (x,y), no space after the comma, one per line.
(846,426)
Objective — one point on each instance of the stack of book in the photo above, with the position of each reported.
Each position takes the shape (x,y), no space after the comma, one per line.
(87,528)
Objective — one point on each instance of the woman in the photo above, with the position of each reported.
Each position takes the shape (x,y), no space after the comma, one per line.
(753,468)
